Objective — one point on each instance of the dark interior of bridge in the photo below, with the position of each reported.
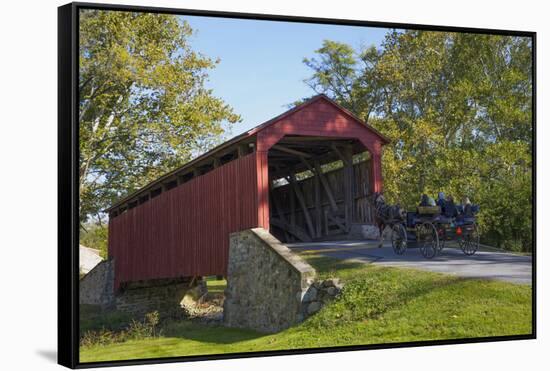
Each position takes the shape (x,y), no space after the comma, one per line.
(319,188)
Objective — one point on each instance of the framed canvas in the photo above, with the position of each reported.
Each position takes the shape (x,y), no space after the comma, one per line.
(243,185)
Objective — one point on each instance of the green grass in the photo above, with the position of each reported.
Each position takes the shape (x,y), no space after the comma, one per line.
(378,305)
(91,318)
(215,286)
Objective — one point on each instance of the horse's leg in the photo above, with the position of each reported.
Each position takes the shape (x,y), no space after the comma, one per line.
(381,228)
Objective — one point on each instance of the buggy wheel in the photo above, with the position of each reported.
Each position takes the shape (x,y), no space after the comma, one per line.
(428,239)
(470,242)
(399,239)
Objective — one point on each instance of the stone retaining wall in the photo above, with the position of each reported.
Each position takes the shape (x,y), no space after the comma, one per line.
(170,297)
(362,231)
(96,287)
(269,288)
(162,295)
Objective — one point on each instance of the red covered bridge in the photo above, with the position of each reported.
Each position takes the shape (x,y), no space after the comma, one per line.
(304,175)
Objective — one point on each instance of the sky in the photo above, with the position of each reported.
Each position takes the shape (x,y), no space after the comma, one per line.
(261,69)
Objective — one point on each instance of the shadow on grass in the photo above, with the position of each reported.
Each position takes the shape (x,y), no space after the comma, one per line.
(93,318)
(215,334)
(324,264)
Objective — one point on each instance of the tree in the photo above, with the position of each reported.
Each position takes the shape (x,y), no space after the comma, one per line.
(346,76)
(457,108)
(143,107)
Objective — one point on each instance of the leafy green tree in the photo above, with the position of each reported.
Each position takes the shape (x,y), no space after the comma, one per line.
(143,106)
(94,235)
(457,108)
(346,76)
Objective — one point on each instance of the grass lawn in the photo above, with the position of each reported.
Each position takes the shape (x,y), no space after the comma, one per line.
(215,286)
(378,305)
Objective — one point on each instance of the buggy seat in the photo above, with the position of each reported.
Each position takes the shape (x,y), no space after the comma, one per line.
(467,215)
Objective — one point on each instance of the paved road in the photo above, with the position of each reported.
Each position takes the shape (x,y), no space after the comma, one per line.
(484,264)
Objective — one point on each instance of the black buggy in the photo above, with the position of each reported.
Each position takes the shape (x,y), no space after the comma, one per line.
(430,227)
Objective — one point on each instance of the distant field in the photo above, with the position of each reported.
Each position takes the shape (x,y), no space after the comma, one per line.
(378,305)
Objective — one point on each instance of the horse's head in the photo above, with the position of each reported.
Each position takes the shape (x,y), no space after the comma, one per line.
(377,198)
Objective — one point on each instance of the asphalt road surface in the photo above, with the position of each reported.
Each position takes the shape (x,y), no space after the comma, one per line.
(484,264)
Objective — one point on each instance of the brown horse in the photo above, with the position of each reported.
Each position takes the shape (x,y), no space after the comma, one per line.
(386,215)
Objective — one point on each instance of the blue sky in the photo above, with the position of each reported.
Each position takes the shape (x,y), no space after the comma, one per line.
(261,69)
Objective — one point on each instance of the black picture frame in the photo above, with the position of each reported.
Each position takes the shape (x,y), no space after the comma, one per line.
(68,200)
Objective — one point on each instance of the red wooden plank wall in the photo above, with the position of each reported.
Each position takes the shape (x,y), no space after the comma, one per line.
(185,231)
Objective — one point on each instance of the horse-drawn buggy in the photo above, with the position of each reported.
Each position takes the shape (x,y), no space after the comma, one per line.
(431,226)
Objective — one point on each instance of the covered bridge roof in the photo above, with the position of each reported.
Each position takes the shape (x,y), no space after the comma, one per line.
(222,153)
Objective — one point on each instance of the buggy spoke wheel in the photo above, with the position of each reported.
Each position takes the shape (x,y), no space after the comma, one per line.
(470,242)
(399,239)
(429,240)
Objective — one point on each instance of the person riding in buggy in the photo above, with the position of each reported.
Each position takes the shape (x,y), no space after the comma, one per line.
(431,225)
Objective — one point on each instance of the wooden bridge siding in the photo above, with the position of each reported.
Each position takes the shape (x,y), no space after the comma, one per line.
(363,210)
(185,231)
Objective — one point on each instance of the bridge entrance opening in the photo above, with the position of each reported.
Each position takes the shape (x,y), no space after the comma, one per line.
(319,188)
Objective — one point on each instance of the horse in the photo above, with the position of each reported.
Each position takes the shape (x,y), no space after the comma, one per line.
(386,215)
